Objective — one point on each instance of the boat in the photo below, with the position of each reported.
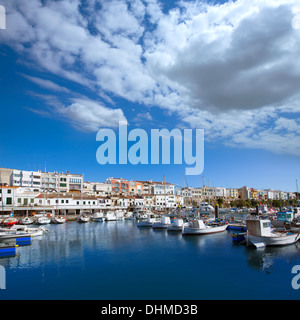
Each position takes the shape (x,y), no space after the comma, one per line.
(42,220)
(163,223)
(237,225)
(238,237)
(205,208)
(110,216)
(97,217)
(151,219)
(83,218)
(198,227)
(9,222)
(261,234)
(34,232)
(120,214)
(58,220)
(27,221)
(176,225)
(129,216)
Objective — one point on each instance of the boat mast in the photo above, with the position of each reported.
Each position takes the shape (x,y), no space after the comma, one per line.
(297,193)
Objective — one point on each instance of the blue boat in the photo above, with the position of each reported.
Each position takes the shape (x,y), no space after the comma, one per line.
(238,237)
(237,226)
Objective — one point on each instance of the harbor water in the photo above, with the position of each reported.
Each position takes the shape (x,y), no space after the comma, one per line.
(119,261)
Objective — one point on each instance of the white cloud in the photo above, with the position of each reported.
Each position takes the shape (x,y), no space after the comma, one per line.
(232,69)
(89,115)
(47,84)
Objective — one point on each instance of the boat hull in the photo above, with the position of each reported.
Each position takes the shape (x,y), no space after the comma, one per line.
(160,226)
(208,230)
(260,241)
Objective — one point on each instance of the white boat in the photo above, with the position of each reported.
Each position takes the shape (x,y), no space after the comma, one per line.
(176,225)
(27,221)
(197,226)
(205,208)
(120,214)
(129,216)
(83,218)
(97,217)
(110,216)
(261,234)
(34,232)
(151,219)
(163,223)
(42,220)
(59,220)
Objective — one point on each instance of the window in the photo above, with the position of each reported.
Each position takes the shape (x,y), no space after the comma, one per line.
(8,201)
(9,191)
(19,200)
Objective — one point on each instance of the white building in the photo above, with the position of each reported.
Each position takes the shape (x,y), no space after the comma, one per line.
(165,201)
(219,192)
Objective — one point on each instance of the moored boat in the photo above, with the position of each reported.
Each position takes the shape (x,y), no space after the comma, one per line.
(176,225)
(27,221)
(198,227)
(42,220)
(110,216)
(9,222)
(97,217)
(261,234)
(163,223)
(58,220)
(83,218)
(151,219)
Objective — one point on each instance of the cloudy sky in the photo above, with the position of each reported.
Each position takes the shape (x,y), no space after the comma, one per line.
(232,68)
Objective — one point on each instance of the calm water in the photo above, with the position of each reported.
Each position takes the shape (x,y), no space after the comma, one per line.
(117,260)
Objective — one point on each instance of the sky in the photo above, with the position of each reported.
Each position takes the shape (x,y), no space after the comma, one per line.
(70,68)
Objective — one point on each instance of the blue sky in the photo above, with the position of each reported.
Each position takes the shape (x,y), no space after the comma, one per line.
(72,67)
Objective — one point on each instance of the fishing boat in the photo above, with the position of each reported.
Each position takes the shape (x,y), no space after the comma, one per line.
(42,220)
(26,221)
(110,216)
(261,234)
(34,232)
(176,225)
(9,222)
(83,218)
(58,220)
(198,227)
(151,219)
(97,217)
(237,225)
(163,223)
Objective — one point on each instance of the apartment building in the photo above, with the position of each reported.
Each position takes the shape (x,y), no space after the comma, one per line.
(118,185)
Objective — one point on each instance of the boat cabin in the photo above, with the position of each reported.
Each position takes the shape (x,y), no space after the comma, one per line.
(199,224)
(259,227)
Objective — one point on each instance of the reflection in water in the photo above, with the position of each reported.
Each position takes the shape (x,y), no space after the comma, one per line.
(264,258)
(118,260)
